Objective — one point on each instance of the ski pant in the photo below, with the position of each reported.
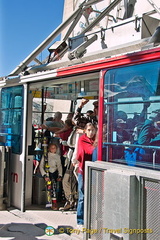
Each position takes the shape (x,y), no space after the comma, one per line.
(53,177)
(70,185)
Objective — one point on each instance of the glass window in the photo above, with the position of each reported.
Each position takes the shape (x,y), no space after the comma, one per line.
(12,117)
(50,107)
(131,130)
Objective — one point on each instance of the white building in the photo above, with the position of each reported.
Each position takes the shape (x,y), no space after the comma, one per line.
(118,26)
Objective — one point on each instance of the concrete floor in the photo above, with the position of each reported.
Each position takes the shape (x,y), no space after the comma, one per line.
(31,224)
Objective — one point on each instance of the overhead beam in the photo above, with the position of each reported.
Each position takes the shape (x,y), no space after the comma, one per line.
(154,6)
(46,42)
(58,30)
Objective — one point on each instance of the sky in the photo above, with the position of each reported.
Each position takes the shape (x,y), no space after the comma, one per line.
(24,25)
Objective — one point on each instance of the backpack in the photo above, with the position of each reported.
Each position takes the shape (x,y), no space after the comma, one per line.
(133,155)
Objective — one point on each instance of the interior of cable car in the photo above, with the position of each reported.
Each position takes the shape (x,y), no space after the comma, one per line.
(48,98)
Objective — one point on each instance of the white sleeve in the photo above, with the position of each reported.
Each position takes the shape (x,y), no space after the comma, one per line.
(74,157)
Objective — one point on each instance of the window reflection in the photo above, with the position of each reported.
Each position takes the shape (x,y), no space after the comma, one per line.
(12,117)
(131,128)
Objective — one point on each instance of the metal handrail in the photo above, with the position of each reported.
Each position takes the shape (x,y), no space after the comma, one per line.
(132,145)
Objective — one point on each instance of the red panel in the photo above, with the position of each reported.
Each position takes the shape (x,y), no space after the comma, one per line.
(100,114)
(129,59)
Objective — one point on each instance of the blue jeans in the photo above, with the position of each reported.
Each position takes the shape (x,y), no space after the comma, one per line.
(80,207)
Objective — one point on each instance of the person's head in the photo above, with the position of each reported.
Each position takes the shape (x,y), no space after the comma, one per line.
(57,116)
(157,125)
(82,121)
(95,110)
(121,115)
(89,113)
(136,132)
(155,116)
(52,148)
(70,115)
(90,130)
(68,123)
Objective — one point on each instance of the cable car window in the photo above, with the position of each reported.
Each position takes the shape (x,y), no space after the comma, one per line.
(12,117)
(132,115)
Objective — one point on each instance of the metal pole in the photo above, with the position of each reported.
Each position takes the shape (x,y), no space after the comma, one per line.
(45,43)
(73,25)
(97,20)
(2,167)
(42,98)
(154,6)
(24,147)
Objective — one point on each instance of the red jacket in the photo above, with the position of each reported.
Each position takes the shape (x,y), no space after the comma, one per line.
(85,150)
(64,136)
